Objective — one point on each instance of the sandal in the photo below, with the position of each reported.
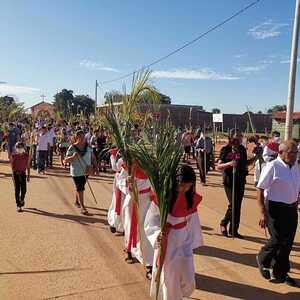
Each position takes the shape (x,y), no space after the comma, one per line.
(112,229)
(84,211)
(77,204)
(129,258)
(149,272)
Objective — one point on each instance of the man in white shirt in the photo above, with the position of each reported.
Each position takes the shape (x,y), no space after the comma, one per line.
(42,148)
(277,195)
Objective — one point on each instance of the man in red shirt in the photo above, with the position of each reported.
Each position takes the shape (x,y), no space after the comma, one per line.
(20,161)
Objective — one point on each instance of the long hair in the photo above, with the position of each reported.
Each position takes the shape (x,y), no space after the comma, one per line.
(185,174)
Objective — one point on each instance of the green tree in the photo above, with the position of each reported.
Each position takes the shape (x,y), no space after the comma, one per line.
(216,110)
(63,102)
(113,96)
(276,108)
(83,103)
(10,109)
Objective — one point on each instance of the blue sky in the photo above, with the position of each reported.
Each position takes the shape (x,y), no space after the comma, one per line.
(50,45)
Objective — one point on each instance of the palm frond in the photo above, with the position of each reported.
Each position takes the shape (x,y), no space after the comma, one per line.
(121,122)
(159,156)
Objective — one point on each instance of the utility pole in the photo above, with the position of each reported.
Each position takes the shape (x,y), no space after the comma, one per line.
(96,94)
(293,73)
(43,97)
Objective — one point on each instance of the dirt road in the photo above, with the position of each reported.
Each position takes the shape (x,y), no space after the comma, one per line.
(50,251)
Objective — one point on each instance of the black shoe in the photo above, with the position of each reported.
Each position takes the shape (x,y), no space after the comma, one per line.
(237,235)
(290,281)
(277,280)
(19,209)
(224,231)
(112,229)
(265,272)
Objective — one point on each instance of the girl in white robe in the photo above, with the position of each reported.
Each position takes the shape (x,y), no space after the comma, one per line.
(182,235)
(137,245)
(114,216)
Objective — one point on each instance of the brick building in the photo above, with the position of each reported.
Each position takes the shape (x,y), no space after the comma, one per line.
(262,123)
(44,108)
(185,116)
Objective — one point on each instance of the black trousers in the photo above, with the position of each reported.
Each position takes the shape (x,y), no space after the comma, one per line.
(42,158)
(34,157)
(282,226)
(20,187)
(201,165)
(50,156)
(239,194)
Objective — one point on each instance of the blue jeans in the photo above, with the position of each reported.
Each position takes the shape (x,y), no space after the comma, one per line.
(42,157)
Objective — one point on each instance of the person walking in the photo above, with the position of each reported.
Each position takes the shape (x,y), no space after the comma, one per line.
(51,141)
(20,162)
(271,149)
(42,148)
(204,148)
(80,156)
(182,235)
(187,141)
(277,195)
(34,137)
(233,162)
(13,136)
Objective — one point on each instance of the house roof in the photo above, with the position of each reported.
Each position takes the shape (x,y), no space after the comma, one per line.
(40,104)
(281,115)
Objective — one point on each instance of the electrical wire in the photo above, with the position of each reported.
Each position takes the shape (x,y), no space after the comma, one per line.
(202,35)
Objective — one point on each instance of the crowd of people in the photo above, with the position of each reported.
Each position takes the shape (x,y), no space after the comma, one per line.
(86,151)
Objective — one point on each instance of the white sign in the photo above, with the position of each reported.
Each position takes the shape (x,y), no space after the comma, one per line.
(217,118)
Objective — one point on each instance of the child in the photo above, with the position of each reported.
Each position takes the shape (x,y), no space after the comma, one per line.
(181,235)
(20,161)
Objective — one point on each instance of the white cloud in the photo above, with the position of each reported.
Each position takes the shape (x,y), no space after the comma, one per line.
(267,29)
(200,74)
(267,61)
(240,55)
(92,65)
(287,61)
(15,89)
(250,69)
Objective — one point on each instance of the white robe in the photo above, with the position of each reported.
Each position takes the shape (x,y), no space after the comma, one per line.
(143,251)
(115,220)
(258,169)
(178,274)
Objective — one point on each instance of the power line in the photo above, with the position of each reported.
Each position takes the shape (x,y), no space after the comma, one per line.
(202,35)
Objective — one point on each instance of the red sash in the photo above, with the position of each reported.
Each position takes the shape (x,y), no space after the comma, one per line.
(132,241)
(164,243)
(118,196)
